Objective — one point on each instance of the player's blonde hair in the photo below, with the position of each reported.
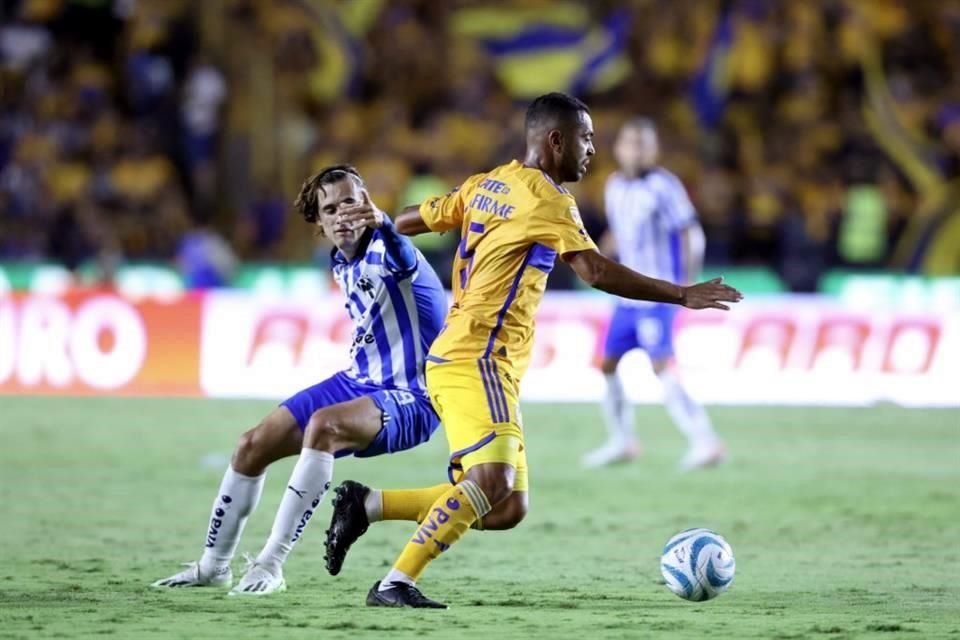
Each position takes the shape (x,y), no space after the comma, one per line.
(307,203)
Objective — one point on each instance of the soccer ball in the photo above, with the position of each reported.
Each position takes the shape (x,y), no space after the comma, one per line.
(697,564)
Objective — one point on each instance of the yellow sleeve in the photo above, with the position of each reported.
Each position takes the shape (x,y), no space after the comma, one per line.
(443,213)
(557,224)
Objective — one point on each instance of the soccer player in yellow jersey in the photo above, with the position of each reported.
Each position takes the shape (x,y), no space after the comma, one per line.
(514,222)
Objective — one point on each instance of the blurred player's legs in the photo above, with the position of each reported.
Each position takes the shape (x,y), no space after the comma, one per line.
(650,328)
(704,447)
(622,444)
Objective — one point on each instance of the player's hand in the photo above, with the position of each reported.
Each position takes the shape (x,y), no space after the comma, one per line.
(363,214)
(710,295)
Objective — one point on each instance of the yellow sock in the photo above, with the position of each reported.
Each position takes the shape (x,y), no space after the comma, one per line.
(410,504)
(446,522)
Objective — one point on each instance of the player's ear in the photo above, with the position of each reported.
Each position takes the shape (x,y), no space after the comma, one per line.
(555,139)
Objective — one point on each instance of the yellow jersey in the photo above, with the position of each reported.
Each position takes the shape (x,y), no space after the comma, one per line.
(513,222)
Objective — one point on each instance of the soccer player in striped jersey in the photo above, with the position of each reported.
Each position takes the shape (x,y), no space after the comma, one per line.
(379,405)
(654,230)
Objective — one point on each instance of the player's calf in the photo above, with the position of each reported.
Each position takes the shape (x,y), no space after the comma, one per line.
(451,515)
(355,506)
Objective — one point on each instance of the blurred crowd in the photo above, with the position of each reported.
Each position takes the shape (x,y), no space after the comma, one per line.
(108,134)
(810,134)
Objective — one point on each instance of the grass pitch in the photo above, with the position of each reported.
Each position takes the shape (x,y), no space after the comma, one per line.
(844,523)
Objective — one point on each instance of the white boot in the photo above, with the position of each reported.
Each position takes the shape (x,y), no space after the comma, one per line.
(193,577)
(700,456)
(613,452)
(257,580)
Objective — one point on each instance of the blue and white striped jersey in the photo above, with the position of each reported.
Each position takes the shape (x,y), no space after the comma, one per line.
(646,215)
(397,313)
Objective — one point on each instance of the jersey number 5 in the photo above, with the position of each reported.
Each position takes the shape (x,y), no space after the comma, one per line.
(468,246)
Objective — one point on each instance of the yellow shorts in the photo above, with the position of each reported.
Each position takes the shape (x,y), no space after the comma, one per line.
(478,404)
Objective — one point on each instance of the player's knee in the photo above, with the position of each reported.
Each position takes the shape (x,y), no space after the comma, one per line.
(494,480)
(661,367)
(509,514)
(324,431)
(248,457)
(515,513)
(497,491)
(609,366)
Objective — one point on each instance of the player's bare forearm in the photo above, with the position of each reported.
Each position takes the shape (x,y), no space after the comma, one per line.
(409,222)
(606,275)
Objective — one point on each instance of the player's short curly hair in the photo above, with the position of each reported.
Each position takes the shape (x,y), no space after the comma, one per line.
(307,203)
(553,109)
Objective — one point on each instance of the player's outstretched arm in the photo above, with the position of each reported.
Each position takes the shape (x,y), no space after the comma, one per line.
(410,223)
(603,273)
(398,249)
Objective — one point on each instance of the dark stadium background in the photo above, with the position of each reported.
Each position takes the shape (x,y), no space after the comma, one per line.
(138,130)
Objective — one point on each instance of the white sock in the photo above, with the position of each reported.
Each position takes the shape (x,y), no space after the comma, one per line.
(308,483)
(394,576)
(688,415)
(238,497)
(617,411)
(373,505)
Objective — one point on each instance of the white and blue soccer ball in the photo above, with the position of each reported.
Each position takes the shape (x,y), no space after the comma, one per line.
(697,564)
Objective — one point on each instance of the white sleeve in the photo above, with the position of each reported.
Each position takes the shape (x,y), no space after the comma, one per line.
(677,207)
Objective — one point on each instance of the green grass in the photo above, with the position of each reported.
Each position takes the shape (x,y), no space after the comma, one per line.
(844,523)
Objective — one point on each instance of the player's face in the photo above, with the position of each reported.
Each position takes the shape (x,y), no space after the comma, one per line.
(577,149)
(636,149)
(333,199)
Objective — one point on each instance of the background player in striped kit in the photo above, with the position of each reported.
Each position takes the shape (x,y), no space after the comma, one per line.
(379,405)
(653,230)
